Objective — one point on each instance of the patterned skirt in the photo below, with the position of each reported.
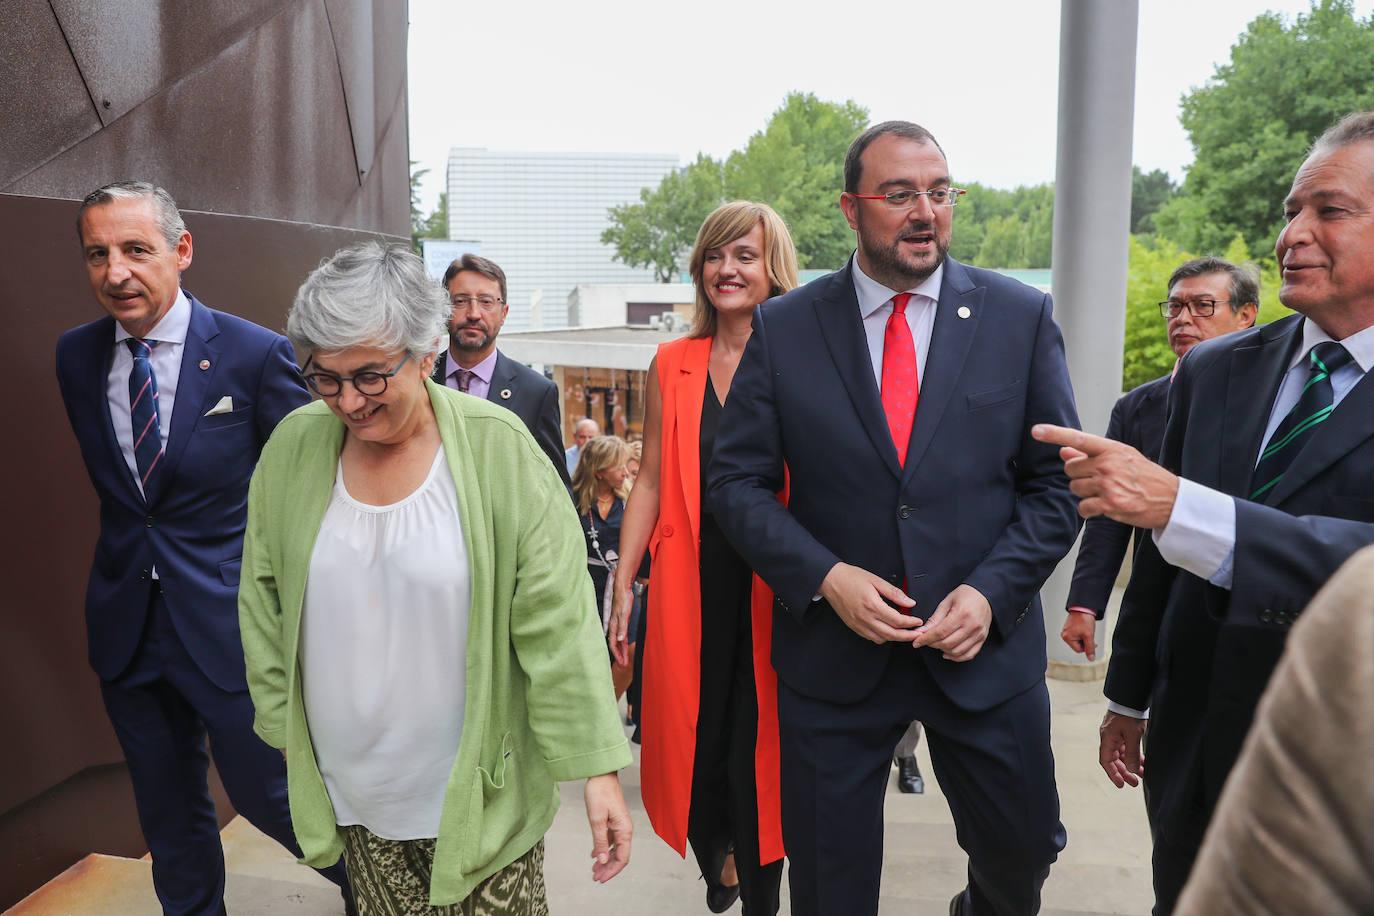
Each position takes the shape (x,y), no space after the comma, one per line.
(391,878)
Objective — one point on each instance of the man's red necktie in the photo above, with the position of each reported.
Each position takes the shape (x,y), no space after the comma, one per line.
(901,386)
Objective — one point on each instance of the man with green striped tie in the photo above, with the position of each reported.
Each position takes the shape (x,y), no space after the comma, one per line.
(1265,486)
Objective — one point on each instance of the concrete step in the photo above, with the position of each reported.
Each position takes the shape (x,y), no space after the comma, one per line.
(261,878)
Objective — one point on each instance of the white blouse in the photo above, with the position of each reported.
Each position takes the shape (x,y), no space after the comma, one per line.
(383,654)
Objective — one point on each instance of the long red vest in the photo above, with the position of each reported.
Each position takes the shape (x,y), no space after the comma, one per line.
(672,669)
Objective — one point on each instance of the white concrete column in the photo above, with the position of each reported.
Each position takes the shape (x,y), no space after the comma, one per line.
(1092,216)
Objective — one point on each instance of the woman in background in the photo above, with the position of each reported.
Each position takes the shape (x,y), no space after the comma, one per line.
(709,719)
(600,487)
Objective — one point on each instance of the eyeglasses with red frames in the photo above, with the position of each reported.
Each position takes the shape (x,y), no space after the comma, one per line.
(906,198)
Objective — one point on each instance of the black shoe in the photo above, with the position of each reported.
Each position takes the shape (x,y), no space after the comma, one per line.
(720,897)
(909,778)
(957,906)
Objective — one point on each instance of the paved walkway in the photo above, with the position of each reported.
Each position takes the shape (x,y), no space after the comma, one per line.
(1105,868)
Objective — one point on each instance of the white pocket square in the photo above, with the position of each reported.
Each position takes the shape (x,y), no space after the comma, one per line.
(225,405)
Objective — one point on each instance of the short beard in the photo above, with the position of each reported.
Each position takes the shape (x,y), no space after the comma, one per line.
(455,338)
(885,259)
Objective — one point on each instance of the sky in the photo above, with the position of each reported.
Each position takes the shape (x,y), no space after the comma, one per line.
(632,76)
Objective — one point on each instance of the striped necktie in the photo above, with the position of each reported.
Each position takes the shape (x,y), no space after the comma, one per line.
(1300,424)
(143,411)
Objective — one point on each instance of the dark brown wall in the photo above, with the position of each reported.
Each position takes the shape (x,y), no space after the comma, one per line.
(284,124)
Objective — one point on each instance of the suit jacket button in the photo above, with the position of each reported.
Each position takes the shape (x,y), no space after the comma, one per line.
(1266,616)
(148,521)
(143,575)
(667,531)
(904,512)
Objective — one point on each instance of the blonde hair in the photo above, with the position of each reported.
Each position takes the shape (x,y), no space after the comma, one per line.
(601,453)
(725,224)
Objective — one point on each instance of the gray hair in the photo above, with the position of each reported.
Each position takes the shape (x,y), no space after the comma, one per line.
(369,295)
(1356,127)
(169,221)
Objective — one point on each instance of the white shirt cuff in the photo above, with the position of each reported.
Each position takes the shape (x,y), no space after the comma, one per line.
(1127,711)
(1200,536)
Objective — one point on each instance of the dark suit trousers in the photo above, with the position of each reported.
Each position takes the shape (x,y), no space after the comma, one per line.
(995,768)
(162,707)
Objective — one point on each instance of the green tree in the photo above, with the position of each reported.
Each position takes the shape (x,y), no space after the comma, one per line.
(1149,192)
(417,219)
(1252,122)
(794,164)
(1003,244)
(658,232)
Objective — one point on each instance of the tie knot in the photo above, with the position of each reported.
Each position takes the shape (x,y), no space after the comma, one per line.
(899,302)
(1328,356)
(139,347)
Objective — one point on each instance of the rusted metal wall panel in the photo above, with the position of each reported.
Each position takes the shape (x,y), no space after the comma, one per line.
(257,114)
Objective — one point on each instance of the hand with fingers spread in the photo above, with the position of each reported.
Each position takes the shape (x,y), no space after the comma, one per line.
(862,601)
(1111,478)
(1079,634)
(611,826)
(959,626)
(1118,751)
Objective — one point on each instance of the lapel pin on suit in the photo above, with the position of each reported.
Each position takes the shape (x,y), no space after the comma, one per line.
(204,364)
(505,394)
(964,311)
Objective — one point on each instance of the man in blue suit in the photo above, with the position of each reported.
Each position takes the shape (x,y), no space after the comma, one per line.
(171,403)
(1264,487)
(1207,297)
(898,394)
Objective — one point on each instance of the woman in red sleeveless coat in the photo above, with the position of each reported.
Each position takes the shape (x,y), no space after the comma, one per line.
(709,766)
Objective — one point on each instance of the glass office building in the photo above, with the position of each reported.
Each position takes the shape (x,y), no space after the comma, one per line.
(540,216)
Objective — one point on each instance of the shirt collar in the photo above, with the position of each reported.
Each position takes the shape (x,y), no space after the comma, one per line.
(483,370)
(1359,345)
(873,295)
(170,329)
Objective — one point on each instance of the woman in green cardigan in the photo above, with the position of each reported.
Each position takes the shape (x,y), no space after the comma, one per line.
(420,633)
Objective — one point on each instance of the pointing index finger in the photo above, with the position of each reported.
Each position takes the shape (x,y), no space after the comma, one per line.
(1086,443)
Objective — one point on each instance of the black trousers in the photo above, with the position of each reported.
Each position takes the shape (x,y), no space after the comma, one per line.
(724,809)
(995,768)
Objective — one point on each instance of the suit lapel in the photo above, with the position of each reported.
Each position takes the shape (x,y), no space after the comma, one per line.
(193,383)
(99,354)
(1347,427)
(1256,372)
(689,394)
(502,379)
(842,328)
(950,340)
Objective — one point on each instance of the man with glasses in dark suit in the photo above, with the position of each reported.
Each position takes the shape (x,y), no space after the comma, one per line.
(1207,297)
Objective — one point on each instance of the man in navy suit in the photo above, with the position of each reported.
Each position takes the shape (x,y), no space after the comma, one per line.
(1207,297)
(477,289)
(898,394)
(1264,486)
(170,456)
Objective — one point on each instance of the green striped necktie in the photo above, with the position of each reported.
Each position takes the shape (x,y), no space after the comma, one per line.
(1300,424)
